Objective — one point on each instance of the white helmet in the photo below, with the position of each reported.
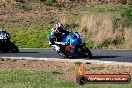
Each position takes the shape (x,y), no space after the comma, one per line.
(59,26)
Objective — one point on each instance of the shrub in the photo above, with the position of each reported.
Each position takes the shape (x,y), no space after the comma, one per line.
(77,63)
(122,2)
(106,30)
(128,13)
(52,3)
(21,1)
(129,2)
(23,5)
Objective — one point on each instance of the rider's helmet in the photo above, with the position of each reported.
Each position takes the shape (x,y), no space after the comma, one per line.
(3,34)
(59,27)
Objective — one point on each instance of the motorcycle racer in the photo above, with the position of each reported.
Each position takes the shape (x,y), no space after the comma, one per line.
(56,35)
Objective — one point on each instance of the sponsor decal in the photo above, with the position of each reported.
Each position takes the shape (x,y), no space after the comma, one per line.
(82,77)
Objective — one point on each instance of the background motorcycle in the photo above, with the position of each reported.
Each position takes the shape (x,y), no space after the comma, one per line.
(5,44)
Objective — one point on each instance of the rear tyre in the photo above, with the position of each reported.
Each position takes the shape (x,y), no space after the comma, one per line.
(86,52)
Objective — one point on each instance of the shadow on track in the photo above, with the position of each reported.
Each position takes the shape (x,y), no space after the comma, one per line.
(18,52)
(28,52)
(101,57)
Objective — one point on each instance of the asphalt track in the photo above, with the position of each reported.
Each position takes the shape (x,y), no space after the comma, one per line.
(99,56)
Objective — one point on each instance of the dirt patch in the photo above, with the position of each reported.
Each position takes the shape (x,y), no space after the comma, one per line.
(66,70)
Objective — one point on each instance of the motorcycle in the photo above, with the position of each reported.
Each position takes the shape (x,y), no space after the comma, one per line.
(72,46)
(5,44)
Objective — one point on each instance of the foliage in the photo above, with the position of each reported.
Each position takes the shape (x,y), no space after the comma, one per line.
(31,38)
(21,1)
(22,4)
(128,13)
(52,3)
(77,63)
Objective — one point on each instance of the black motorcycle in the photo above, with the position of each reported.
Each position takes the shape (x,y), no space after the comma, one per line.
(5,44)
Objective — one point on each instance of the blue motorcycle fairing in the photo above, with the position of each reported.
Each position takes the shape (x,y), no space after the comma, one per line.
(72,39)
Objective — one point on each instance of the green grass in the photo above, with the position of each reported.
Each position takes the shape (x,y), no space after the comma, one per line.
(96,68)
(30,38)
(77,63)
(44,79)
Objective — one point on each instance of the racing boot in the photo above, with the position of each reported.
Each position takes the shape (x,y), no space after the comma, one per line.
(57,48)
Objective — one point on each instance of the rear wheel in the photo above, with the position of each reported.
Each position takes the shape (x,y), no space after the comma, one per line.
(86,52)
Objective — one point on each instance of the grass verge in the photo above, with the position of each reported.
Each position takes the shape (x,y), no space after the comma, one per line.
(43,79)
